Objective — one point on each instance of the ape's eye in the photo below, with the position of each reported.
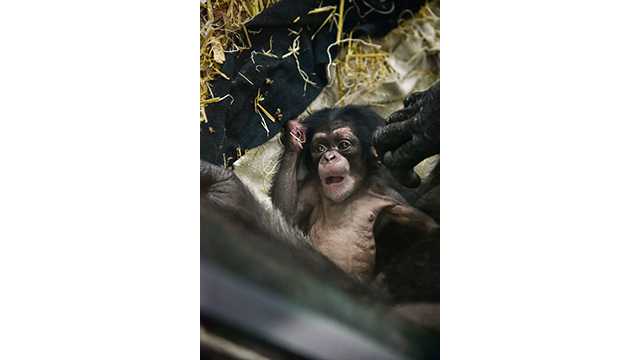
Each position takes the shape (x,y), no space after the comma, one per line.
(344,144)
(321,148)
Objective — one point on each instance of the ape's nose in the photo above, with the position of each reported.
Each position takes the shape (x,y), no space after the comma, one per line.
(328,156)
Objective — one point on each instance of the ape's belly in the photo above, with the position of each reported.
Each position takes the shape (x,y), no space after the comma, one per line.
(350,244)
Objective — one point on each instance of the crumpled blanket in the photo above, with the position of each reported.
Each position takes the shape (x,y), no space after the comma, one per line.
(284,71)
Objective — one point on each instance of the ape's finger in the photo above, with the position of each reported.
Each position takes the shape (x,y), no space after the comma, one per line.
(298,136)
(429,97)
(422,102)
(412,99)
(407,178)
(391,136)
(293,135)
(410,154)
(403,114)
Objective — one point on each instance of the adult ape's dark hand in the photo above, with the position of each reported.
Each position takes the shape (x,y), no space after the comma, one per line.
(411,135)
(222,190)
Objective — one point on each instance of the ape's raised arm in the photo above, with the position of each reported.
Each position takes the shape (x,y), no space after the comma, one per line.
(287,193)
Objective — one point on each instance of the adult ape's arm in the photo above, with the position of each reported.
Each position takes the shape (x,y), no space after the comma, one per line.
(285,189)
(222,190)
(428,194)
(411,135)
(407,215)
(401,212)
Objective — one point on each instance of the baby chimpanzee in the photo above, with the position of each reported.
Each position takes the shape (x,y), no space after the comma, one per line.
(343,196)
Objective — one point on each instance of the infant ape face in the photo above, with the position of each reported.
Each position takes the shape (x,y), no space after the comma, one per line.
(337,153)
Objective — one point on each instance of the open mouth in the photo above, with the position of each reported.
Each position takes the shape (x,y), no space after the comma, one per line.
(333,179)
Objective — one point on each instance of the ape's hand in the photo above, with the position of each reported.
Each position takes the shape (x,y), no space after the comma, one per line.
(220,188)
(411,135)
(293,136)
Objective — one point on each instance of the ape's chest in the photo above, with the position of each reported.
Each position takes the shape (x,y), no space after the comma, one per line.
(349,224)
(350,245)
(348,239)
(353,229)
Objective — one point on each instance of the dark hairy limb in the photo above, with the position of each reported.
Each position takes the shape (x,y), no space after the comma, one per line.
(222,191)
(405,214)
(414,218)
(221,188)
(411,135)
